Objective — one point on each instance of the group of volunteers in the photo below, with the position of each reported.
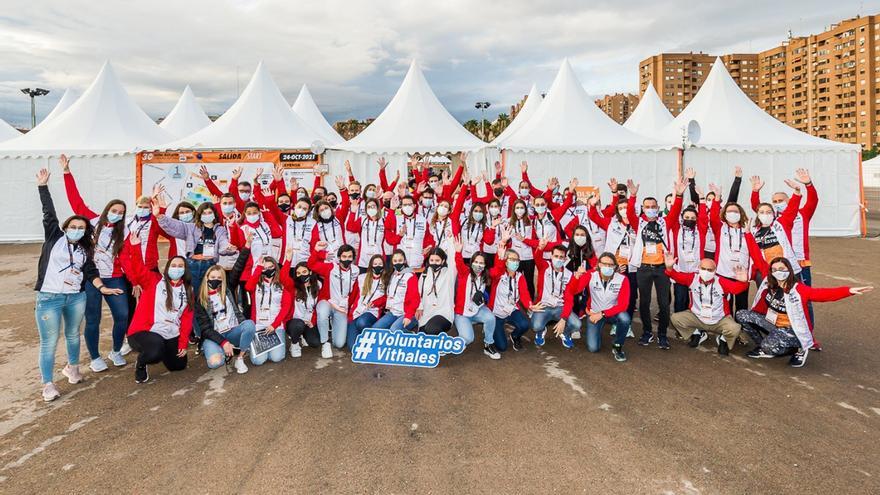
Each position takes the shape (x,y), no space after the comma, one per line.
(436,253)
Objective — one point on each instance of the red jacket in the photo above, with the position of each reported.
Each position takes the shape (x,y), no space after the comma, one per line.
(808,294)
(286,299)
(580,284)
(806,212)
(461,285)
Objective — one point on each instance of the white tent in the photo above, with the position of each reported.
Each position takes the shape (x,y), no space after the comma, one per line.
(187,116)
(67,99)
(529,108)
(871,172)
(650,115)
(569,136)
(734,131)
(260,119)
(7,132)
(99,131)
(305,107)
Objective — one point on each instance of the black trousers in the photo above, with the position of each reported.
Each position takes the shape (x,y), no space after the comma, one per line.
(436,325)
(296,328)
(649,276)
(682,295)
(152,349)
(244,298)
(527,268)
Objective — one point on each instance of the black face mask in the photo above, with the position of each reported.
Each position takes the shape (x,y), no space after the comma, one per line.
(317,197)
(303,278)
(377,270)
(269,273)
(689,223)
(214,284)
(498,191)
(332,203)
(354,196)
(399,267)
(436,266)
(386,204)
(345,263)
(285,207)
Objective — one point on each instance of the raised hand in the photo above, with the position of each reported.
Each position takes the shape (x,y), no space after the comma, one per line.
(257,175)
(794,185)
(277,174)
(445,178)
(690,173)
(632,187)
(757,182)
(593,200)
(803,176)
(456,242)
(680,187)
(497,168)
(294,184)
(65,163)
(340,184)
(524,167)
(612,184)
(715,189)
(203,172)
(858,291)
(43,177)
(236,172)
(155,207)
(347,166)
(381,162)
(573,183)
(737,171)
(463,156)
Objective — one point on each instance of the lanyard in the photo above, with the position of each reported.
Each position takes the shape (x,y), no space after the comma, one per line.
(376,288)
(684,233)
(553,283)
(324,232)
(70,250)
(730,239)
(711,295)
(375,231)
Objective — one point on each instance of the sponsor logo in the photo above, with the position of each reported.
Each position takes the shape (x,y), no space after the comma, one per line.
(230,156)
(396,348)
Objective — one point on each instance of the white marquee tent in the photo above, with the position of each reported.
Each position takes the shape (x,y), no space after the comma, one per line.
(650,115)
(734,131)
(529,108)
(67,99)
(187,116)
(99,131)
(305,107)
(569,136)
(7,132)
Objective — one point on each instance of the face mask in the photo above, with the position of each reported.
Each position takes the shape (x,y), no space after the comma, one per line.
(407,209)
(512,265)
(206,217)
(377,270)
(622,212)
(114,217)
(345,263)
(227,209)
(354,196)
(427,202)
(398,267)
(176,272)
(580,240)
(651,212)
(779,207)
(442,210)
(317,197)
(300,212)
(557,263)
(372,211)
(494,211)
(326,214)
(732,216)
(74,235)
(540,210)
(433,185)
(689,223)
(386,203)
(213,284)
(244,196)
(269,273)
(300,195)
(185,217)
(519,211)
(478,267)
(766,219)
(478,216)
(780,274)
(524,192)
(285,207)
(333,203)
(252,218)
(370,194)
(706,275)
(606,271)
(303,278)
(142,212)
(436,266)
(498,191)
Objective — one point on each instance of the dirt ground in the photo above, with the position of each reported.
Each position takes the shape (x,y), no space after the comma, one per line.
(682,421)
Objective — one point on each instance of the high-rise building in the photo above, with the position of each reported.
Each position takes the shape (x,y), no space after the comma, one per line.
(618,106)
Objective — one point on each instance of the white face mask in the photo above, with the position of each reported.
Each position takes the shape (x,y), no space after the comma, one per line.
(494,211)
(372,211)
(519,211)
(580,240)
(706,275)
(300,212)
(732,216)
(244,196)
(442,210)
(407,209)
(326,214)
(766,219)
(370,194)
(524,192)
(540,210)
(780,274)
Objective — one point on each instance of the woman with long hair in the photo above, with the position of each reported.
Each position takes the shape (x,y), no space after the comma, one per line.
(302,325)
(401,295)
(367,299)
(223,323)
(271,307)
(471,300)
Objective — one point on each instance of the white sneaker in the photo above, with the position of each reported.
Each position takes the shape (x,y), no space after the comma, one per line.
(50,393)
(302,341)
(125,349)
(326,351)
(575,335)
(72,373)
(116,358)
(98,365)
(295,351)
(240,367)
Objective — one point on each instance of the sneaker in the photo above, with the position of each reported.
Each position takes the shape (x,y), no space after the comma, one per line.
(116,358)
(516,343)
(491,351)
(617,352)
(799,358)
(98,365)
(613,331)
(646,339)
(539,338)
(193,340)
(326,351)
(630,334)
(723,350)
(663,342)
(295,351)
(575,335)
(72,373)
(816,346)
(758,353)
(566,341)
(125,350)
(239,365)
(50,393)
(302,341)
(697,339)
(141,375)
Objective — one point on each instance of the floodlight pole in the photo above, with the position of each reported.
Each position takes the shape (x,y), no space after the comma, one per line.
(482,106)
(32,93)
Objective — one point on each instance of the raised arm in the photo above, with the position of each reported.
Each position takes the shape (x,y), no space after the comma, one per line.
(77,204)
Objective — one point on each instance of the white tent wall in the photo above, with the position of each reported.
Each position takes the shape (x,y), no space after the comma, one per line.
(655,171)
(834,173)
(100,178)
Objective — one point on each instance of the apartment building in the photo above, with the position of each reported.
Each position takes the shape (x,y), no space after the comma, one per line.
(618,106)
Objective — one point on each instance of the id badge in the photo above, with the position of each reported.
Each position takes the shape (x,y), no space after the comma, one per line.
(222,326)
(624,251)
(651,248)
(771,316)
(72,277)
(706,312)
(208,250)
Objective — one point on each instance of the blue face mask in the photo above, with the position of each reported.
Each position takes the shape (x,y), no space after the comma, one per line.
(606,271)
(176,272)
(558,263)
(142,212)
(651,212)
(207,217)
(478,215)
(185,217)
(74,235)
(113,217)
(512,265)
(227,209)
(540,210)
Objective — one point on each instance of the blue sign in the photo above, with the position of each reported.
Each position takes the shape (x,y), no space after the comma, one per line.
(397,348)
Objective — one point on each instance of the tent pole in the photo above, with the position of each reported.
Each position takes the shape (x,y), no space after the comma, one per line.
(138,174)
(862,205)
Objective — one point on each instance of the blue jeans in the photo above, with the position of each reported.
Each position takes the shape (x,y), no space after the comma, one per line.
(51,310)
(340,323)
(391,322)
(520,327)
(540,319)
(594,330)
(355,327)
(464,325)
(118,309)
(275,355)
(198,268)
(239,336)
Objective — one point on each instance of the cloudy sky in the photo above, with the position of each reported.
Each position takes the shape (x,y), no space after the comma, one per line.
(353,54)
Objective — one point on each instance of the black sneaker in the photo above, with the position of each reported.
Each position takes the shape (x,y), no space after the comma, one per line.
(516,343)
(799,358)
(617,352)
(723,350)
(758,353)
(697,339)
(663,342)
(491,351)
(646,339)
(141,375)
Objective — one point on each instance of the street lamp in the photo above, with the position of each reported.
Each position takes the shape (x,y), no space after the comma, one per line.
(34,93)
(482,106)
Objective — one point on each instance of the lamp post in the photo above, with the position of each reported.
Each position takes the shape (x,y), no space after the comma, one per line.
(32,93)
(482,106)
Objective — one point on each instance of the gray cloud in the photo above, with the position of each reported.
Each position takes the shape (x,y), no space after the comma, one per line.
(353,54)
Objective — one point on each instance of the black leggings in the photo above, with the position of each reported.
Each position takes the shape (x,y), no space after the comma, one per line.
(152,349)
(527,268)
(296,328)
(436,325)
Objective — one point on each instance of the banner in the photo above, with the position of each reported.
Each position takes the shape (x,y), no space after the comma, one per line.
(583,193)
(178,171)
(397,348)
